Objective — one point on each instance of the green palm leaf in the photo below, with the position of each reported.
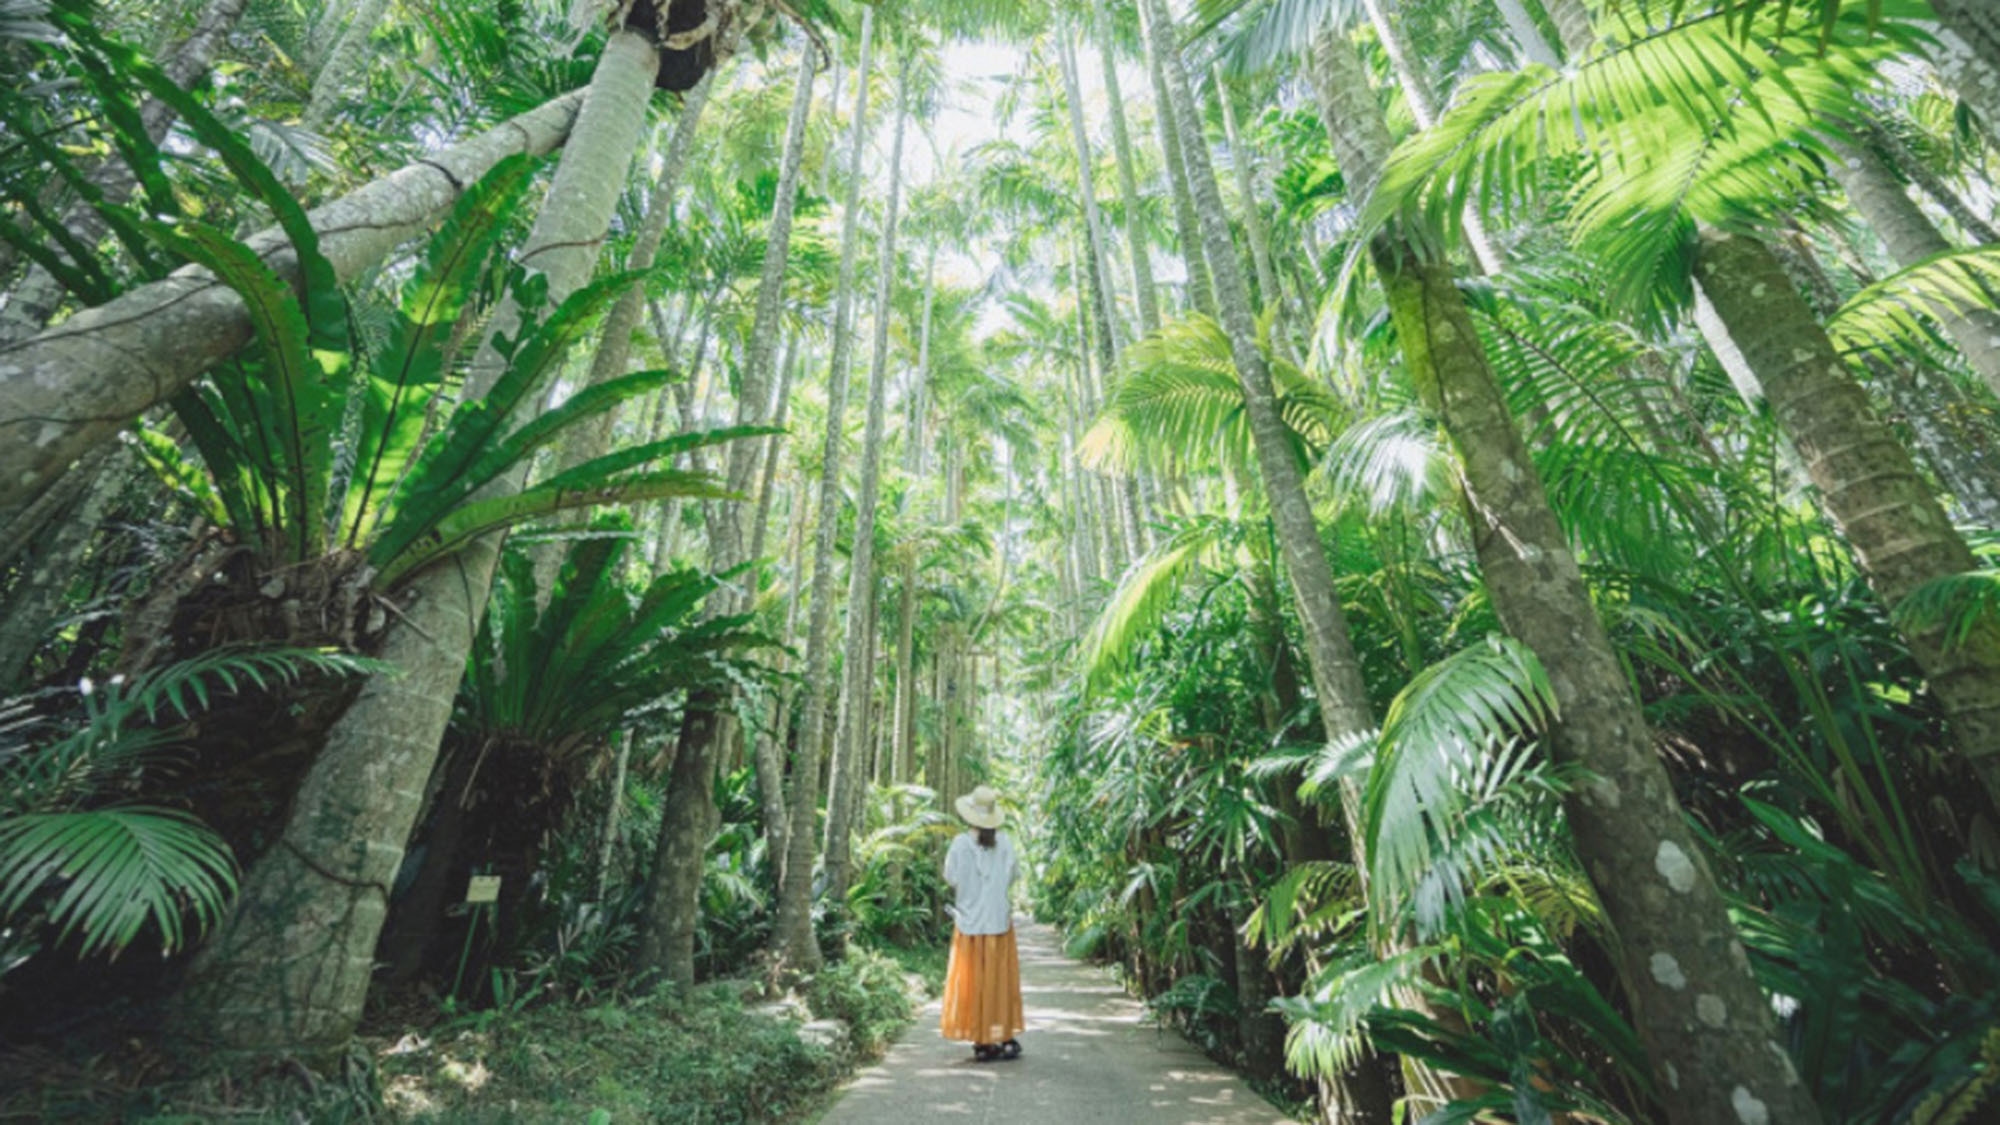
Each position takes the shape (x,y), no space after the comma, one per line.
(105,874)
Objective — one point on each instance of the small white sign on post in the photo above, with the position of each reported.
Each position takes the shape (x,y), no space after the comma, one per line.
(483,888)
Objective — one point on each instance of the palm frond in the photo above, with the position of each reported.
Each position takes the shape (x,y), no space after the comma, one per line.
(103,875)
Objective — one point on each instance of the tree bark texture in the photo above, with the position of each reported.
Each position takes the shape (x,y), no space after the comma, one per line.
(1967,57)
(1896,528)
(1705,1022)
(1881,200)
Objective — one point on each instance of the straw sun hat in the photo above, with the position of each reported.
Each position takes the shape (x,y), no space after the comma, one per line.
(981,808)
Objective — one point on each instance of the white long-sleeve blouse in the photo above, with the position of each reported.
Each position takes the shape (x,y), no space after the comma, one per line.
(981,876)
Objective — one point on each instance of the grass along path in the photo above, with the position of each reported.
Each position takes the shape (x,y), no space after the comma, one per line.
(1088,1057)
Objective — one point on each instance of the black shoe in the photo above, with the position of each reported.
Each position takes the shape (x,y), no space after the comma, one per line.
(985,1052)
(1011,1049)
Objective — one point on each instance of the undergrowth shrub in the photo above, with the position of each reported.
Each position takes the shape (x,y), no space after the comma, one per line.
(865,989)
(698,1056)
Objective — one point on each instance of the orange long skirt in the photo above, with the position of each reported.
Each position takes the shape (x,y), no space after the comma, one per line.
(982,989)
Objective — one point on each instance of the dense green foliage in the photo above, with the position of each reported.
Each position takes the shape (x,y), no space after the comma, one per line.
(1249,384)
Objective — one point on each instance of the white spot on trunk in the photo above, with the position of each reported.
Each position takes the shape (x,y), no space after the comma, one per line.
(1667,971)
(1709,1009)
(1673,1076)
(1758,290)
(1674,866)
(50,431)
(1603,793)
(1749,1110)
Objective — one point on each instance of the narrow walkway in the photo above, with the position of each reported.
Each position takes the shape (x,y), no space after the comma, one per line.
(1087,1059)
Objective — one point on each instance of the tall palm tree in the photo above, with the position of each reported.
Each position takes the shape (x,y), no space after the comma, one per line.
(1345,714)
(792,932)
(289,969)
(1703,1018)
(667,943)
(853,732)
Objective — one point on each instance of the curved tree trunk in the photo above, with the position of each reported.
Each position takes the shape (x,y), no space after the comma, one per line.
(1899,534)
(792,933)
(1702,1016)
(288,970)
(592,438)
(1705,1022)
(74,386)
(689,816)
(853,733)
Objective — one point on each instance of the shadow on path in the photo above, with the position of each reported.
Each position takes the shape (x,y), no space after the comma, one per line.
(1087,1059)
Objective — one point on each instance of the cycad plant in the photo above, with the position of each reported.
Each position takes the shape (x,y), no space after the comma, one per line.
(553,680)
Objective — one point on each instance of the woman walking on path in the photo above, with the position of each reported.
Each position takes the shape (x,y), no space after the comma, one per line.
(982,988)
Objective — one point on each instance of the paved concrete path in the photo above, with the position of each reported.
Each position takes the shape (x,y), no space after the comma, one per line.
(1086,1058)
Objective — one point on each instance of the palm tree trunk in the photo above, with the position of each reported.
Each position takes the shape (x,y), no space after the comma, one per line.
(792,932)
(289,969)
(1573,28)
(1701,1014)
(905,708)
(1976,228)
(1128,183)
(852,731)
(1938,418)
(614,806)
(689,815)
(1882,202)
(1103,306)
(1968,57)
(1241,161)
(1899,534)
(1528,34)
(343,59)
(1340,691)
(74,386)
(592,438)
(1201,287)
(1705,1022)
(772,743)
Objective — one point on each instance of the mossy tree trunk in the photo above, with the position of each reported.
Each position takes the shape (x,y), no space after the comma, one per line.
(1867,483)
